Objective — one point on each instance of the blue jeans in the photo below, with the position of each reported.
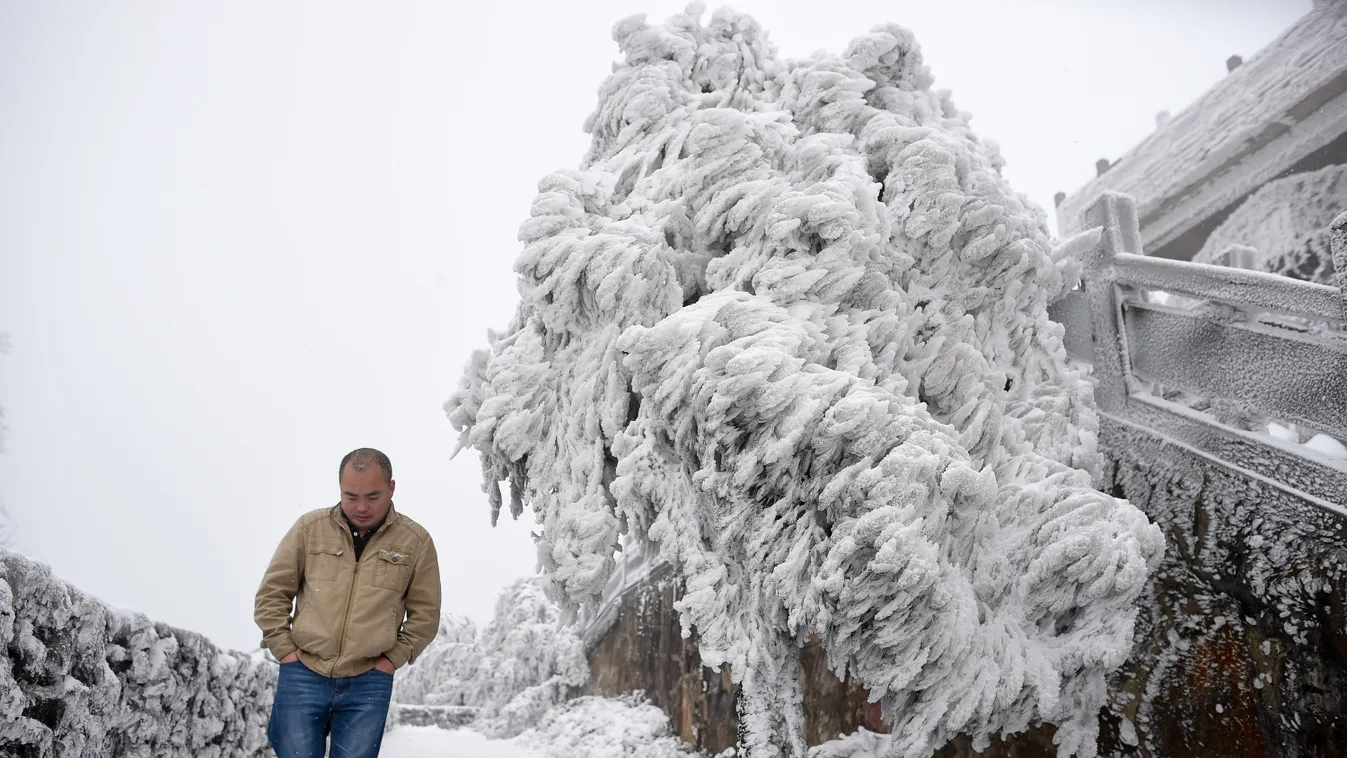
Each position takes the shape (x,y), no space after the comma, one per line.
(309,707)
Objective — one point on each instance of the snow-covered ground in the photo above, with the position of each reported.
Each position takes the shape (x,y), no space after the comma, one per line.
(434,742)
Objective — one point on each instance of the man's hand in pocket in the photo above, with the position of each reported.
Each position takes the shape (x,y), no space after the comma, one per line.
(384,665)
(291,658)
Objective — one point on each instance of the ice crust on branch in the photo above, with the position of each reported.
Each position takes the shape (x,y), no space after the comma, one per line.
(787,324)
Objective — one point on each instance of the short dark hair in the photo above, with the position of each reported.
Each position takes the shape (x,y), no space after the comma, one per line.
(364,456)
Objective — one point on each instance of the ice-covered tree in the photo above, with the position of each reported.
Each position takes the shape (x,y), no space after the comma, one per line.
(786,324)
(443,673)
(527,661)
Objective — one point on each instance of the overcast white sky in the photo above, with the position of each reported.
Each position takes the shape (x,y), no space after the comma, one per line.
(240,239)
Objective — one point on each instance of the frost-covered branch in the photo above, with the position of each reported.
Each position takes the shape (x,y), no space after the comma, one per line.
(787,323)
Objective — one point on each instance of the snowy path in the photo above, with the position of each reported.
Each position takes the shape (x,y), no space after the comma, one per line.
(433,742)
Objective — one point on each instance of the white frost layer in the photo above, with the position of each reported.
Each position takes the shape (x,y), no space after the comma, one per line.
(1319,442)
(787,324)
(1286,224)
(1322,443)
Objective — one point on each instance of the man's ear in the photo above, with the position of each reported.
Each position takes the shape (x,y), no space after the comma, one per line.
(392,485)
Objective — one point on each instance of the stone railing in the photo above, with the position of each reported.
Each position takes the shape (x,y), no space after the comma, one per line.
(1206,356)
(81,679)
(443,716)
(1241,645)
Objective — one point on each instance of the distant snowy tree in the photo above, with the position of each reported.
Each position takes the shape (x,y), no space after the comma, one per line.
(1284,226)
(787,325)
(527,660)
(443,673)
(524,662)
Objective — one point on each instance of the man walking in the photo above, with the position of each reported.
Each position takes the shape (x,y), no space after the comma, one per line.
(352,594)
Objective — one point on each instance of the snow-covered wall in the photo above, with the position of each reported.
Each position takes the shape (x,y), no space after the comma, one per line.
(1284,105)
(1241,646)
(81,679)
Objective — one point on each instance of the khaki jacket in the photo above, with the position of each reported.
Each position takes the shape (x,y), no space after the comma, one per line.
(346,615)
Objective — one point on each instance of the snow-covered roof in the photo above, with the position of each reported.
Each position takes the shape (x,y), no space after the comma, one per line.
(1279,107)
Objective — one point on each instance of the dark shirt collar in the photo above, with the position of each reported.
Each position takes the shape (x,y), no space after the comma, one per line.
(356,533)
(356,540)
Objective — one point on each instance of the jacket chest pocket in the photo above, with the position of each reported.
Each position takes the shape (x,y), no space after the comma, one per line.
(322,562)
(392,569)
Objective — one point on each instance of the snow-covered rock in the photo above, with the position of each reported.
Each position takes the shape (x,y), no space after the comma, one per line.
(787,325)
(862,743)
(598,727)
(442,673)
(82,679)
(1330,446)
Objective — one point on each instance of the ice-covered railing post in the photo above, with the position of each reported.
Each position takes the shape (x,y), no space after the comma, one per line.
(1238,256)
(1116,214)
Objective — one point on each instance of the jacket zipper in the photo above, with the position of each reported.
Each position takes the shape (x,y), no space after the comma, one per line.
(346,620)
(350,595)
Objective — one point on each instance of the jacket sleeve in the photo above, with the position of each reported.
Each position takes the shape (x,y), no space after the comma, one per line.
(273,610)
(423,609)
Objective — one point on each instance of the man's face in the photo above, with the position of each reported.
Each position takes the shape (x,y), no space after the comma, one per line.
(365,496)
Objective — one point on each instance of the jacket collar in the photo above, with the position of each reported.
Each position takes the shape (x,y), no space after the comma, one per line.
(339,518)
